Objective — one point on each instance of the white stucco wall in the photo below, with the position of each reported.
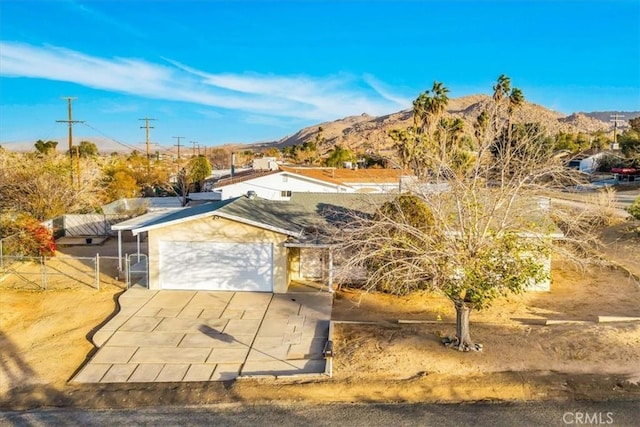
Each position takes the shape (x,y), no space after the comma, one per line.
(271,187)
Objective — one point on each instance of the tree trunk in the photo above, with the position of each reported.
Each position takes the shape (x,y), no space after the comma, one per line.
(462,340)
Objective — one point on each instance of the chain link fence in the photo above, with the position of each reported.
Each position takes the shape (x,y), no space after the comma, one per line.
(71,272)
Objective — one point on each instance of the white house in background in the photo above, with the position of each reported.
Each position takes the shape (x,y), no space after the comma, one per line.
(280,184)
(586,162)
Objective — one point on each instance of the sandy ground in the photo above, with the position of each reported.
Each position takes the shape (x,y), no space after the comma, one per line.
(45,338)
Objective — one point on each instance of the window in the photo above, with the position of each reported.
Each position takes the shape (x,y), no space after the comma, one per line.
(285,178)
(285,193)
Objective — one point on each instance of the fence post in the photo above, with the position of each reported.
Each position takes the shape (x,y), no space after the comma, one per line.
(97,271)
(44,272)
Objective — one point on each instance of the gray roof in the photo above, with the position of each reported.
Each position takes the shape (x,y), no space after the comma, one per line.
(303,214)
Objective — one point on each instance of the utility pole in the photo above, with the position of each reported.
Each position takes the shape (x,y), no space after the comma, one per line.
(195,143)
(178,145)
(147,127)
(615,119)
(70,121)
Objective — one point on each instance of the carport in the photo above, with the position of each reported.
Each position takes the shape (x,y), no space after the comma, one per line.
(134,223)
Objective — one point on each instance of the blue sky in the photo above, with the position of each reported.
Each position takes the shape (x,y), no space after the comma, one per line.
(217,72)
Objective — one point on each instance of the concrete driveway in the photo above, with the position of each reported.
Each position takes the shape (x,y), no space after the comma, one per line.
(171,336)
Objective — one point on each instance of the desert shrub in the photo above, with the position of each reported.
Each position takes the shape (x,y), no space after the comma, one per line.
(634,209)
(26,236)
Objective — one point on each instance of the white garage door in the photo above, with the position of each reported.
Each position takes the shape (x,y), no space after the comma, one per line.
(216,266)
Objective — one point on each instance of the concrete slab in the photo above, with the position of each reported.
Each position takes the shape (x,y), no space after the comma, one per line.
(207,299)
(140,324)
(119,373)
(143,339)
(114,354)
(172,336)
(150,311)
(254,314)
(172,373)
(275,327)
(226,372)
(250,299)
(307,349)
(190,312)
(199,372)
(228,355)
(242,327)
(190,325)
(212,312)
(92,373)
(146,373)
(171,299)
(232,313)
(269,353)
(169,312)
(221,341)
(169,354)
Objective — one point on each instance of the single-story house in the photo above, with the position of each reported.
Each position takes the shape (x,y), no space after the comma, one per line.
(246,243)
(280,184)
(252,244)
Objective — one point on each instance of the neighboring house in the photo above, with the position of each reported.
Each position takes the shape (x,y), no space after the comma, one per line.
(246,243)
(287,180)
(587,162)
(358,180)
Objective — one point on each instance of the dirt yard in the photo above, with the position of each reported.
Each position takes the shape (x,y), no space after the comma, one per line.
(45,338)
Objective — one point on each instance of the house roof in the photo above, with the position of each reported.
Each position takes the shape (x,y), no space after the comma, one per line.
(350,176)
(305,215)
(242,177)
(141,203)
(142,220)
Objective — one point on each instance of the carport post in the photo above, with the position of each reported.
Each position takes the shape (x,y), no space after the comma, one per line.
(138,241)
(119,250)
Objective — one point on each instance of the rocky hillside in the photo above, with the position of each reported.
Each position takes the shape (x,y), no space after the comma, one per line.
(365,132)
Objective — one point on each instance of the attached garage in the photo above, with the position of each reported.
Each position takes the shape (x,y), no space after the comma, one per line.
(216,266)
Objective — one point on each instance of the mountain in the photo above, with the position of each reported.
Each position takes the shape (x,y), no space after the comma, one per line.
(607,116)
(365,132)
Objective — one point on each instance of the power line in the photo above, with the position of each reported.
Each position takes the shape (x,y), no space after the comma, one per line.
(131,147)
(71,122)
(147,127)
(615,121)
(195,143)
(178,145)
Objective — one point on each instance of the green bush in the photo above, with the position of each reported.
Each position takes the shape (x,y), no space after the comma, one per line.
(634,209)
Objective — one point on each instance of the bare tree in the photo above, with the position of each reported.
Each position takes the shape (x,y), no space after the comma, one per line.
(490,233)
(40,186)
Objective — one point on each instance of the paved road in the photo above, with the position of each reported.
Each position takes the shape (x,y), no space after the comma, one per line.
(616,413)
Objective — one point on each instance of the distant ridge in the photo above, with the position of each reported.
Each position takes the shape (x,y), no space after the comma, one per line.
(369,133)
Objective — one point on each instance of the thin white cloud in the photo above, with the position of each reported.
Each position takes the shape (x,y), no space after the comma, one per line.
(83,9)
(289,96)
(385,91)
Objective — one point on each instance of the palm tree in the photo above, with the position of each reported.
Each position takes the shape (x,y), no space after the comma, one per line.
(501,88)
(429,107)
(516,99)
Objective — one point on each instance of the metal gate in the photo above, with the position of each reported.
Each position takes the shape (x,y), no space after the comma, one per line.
(137,270)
